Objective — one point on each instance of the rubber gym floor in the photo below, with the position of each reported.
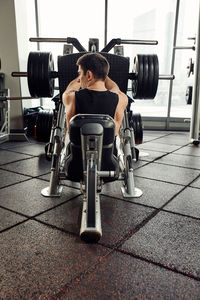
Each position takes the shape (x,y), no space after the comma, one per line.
(150,247)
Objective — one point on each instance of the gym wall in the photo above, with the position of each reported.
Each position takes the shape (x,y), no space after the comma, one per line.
(10,59)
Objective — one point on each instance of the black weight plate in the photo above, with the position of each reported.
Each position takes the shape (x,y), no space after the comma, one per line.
(31,72)
(145,76)
(188,95)
(150,77)
(137,84)
(43,125)
(138,131)
(156,76)
(40,66)
(135,81)
(47,68)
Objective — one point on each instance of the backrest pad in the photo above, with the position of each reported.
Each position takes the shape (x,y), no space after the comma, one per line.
(67,69)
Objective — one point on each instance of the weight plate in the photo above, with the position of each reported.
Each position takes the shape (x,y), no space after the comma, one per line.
(188,96)
(150,76)
(135,121)
(139,130)
(190,67)
(145,76)
(43,125)
(40,82)
(155,78)
(137,84)
(146,68)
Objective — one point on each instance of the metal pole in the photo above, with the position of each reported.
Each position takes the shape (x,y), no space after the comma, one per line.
(37,23)
(172,63)
(37,33)
(139,42)
(106,23)
(194,125)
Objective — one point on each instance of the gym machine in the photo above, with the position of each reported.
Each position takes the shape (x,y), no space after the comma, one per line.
(4,110)
(92,136)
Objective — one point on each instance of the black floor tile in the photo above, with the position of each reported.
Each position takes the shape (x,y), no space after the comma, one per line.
(37,261)
(117,217)
(35,166)
(189,150)
(26,197)
(167,173)
(9,219)
(31,149)
(149,155)
(187,203)
(11,145)
(124,277)
(62,182)
(181,160)
(170,240)
(155,193)
(174,139)
(155,145)
(8,157)
(9,178)
(196,183)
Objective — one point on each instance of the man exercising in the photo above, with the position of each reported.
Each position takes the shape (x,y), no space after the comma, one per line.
(93,92)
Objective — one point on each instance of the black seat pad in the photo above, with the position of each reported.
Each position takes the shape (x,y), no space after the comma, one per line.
(74,165)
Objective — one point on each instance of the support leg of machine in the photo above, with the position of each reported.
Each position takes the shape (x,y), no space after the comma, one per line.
(91,234)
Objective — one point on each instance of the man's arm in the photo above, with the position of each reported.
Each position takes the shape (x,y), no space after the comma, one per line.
(122,103)
(111,85)
(69,103)
(119,113)
(68,99)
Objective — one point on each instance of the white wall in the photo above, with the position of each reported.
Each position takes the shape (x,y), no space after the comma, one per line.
(9,59)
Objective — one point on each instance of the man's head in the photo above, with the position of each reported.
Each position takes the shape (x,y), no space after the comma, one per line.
(93,64)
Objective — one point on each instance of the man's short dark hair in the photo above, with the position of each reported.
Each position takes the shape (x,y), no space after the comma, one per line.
(96,63)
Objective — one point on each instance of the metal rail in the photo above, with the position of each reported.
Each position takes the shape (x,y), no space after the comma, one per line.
(195,118)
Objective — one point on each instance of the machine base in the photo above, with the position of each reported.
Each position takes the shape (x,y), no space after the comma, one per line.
(46,193)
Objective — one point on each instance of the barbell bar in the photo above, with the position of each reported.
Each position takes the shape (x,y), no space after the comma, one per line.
(160,77)
(68,40)
(139,42)
(2,98)
(119,41)
(80,48)
(53,74)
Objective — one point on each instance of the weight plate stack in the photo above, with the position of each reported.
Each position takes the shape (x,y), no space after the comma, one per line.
(39,71)
(43,125)
(145,84)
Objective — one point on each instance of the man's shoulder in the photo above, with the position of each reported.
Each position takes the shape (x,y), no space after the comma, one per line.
(68,96)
